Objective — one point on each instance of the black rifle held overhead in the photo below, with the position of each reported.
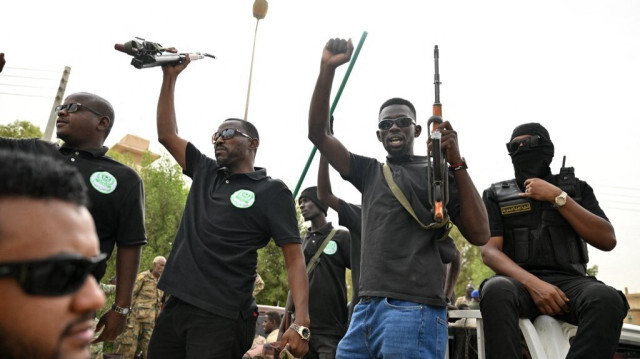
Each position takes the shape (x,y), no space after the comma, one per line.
(437,176)
(150,54)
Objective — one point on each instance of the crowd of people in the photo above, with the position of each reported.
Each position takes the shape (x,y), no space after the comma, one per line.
(200,301)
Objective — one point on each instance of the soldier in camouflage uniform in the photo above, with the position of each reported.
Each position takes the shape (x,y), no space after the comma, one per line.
(145,307)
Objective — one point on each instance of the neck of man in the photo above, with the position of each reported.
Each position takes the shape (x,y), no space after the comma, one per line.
(85,145)
(244,167)
(318,222)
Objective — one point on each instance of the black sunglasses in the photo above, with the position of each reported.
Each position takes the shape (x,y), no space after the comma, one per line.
(54,276)
(227,134)
(74,107)
(400,122)
(531,141)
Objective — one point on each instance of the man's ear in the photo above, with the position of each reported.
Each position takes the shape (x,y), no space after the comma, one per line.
(378,135)
(418,131)
(103,124)
(253,145)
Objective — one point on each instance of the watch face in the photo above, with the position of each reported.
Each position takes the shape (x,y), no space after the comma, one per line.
(305,333)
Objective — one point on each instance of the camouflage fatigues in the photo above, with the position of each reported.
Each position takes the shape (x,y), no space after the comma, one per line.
(145,307)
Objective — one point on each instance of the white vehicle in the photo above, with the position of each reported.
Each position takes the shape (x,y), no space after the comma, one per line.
(545,338)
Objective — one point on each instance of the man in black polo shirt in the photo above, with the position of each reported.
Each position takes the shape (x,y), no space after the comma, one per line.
(402,274)
(327,287)
(115,193)
(232,210)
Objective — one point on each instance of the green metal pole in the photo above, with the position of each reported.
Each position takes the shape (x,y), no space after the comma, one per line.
(333,107)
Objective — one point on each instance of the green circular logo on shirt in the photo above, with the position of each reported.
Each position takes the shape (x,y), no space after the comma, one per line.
(243,198)
(331,248)
(103,182)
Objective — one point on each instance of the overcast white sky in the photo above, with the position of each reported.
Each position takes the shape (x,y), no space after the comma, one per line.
(574,66)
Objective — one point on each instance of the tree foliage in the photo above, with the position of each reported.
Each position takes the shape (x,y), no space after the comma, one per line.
(165,193)
(472,268)
(20,129)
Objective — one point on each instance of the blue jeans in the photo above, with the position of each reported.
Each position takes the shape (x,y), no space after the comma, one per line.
(390,328)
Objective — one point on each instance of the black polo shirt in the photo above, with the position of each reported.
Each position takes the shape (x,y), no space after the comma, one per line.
(116,192)
(327,287)
(226,219)
(399,258)
(350,216)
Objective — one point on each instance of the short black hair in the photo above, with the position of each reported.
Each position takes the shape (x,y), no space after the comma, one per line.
(40,177)
(398,101)
(247,126)
(274,317)
(99,104)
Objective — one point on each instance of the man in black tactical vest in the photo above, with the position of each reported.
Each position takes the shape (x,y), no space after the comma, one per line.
(540,225)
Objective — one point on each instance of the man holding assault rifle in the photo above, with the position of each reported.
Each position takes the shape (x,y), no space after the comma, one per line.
(402,311)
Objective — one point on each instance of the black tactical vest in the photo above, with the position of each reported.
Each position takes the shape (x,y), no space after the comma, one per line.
(536,236)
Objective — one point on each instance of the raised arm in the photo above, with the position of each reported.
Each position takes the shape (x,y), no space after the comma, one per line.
(325,194)
(166,116)
(336,52)
(473,221)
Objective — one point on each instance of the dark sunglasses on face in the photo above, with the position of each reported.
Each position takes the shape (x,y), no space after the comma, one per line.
(54,276)
(531,141)
(227,134)
(73,107)
(400,122)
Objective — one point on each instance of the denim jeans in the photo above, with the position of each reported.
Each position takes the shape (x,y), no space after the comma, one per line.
(390,328)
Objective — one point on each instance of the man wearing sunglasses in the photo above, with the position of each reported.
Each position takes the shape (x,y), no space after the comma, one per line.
(115,192)
(540,225)
(48,248)
(232,210)
(402,310)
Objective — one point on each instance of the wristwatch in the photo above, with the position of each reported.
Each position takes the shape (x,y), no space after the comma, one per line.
(561,200)
(303,331)
(121,310)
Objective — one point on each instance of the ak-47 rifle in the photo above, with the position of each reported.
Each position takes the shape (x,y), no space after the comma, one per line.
(437,177)
(150,54)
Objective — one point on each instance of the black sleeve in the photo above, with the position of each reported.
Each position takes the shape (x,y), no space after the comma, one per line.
(495,218)
(359,169)
(193,160)
(281,216)
(589,201)
(350,216)
(131,229)
(30,145)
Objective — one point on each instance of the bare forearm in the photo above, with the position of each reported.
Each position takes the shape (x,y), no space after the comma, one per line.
(319,107)
(503,265)
(593,229)
(325,193)
(298,282)
(166,121)
(127,263)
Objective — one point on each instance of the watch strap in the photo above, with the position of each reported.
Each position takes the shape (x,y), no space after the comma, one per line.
(121,310)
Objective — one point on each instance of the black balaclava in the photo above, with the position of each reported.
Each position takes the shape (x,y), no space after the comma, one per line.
(532,161)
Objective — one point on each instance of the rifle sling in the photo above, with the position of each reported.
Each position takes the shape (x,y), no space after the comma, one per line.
(316,257)
(397,192)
